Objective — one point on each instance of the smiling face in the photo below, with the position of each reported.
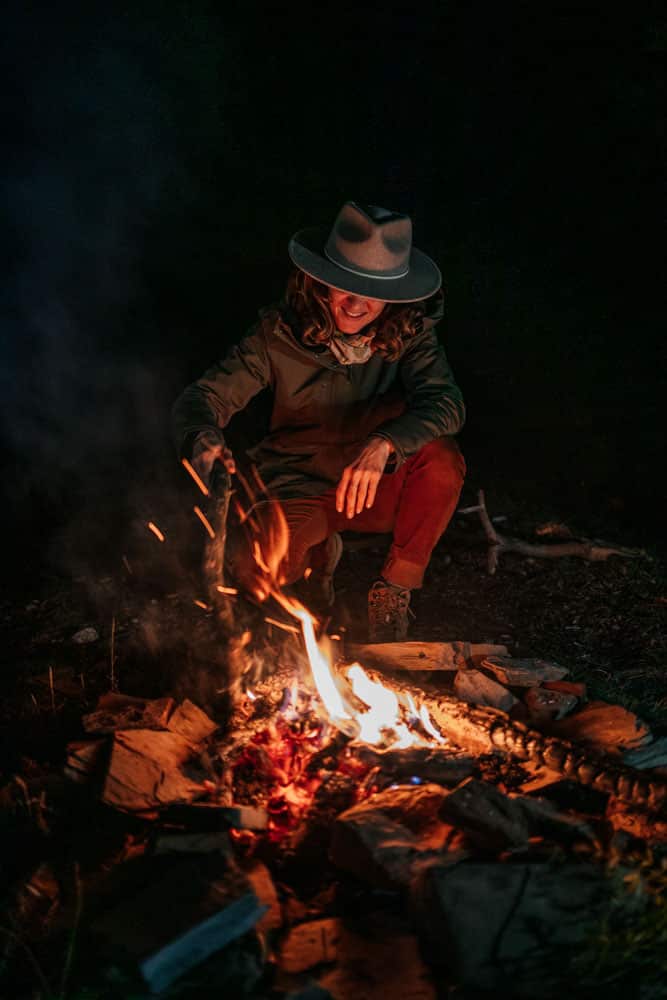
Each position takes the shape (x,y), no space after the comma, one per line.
(351,313)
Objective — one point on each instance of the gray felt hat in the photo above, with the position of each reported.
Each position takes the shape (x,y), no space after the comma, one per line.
(368,252)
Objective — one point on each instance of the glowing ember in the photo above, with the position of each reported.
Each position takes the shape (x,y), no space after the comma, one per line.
(283,625)
(227,590)
(156,531)
(201,604)
(188,468)
(204,520)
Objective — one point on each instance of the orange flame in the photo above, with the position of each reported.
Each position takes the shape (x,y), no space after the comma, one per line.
(371,711)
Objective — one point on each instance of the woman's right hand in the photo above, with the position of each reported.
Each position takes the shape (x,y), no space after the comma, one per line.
(205,455)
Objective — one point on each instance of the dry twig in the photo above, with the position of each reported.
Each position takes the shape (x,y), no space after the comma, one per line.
(592,549)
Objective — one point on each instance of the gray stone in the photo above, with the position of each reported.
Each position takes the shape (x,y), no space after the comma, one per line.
(382,840)
(509,926)
(85,635)
(495,821)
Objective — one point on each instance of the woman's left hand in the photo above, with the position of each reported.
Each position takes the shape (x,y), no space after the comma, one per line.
(359,482)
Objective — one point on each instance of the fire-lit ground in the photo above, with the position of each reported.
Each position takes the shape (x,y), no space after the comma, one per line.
(279,748)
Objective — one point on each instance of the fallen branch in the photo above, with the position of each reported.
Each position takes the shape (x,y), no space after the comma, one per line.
(592,549)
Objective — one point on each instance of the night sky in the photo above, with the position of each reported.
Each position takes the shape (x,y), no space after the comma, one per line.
(158,157)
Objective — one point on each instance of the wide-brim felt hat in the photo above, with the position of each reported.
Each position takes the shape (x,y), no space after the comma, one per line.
(368,252)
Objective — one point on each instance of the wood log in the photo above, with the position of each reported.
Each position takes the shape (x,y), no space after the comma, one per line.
(488,730)
(523,672)
(423,655)
(189,721)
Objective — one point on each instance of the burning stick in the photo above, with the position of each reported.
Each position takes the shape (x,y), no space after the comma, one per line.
(593,550)
(214,555)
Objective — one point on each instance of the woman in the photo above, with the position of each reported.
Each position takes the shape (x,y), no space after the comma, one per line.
(364,405)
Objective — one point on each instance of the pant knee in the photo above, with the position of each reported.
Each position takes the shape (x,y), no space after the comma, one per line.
(442,461)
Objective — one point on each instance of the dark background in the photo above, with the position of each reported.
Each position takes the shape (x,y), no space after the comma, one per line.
(159,156)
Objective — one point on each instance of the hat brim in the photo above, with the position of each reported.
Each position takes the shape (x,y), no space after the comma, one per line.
(422,280)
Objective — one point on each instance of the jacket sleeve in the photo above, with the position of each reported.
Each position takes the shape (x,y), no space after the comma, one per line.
(207,405)
(434,404)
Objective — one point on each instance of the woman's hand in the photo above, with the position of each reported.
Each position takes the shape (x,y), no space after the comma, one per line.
(204,457)
(359,482)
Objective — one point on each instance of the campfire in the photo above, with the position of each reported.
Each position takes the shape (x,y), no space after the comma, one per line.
(449,777)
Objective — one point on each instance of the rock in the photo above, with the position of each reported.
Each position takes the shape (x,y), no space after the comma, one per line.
(475,688)
(509,927)
(604,726)
(495,821)
(85,635)
(545,705)
(310,944)
(524,672)
(653,755)
(422,655)
(381,840)
(191,722)
(491,819)
(375,849)
(416,807)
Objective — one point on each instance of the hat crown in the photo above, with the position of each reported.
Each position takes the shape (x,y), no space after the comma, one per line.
(370,241)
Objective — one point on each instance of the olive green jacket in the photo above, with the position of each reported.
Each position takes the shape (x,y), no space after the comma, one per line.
(323,411)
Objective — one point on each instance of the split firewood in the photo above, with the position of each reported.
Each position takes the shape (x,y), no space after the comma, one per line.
(423,655)
(189,721)
(524,672)
(594,549)
(145,770)
(475,688)
(118,711)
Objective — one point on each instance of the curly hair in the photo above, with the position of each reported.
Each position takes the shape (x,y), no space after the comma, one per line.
(309,300)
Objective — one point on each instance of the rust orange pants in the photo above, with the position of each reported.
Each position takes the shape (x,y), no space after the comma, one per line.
(415,504)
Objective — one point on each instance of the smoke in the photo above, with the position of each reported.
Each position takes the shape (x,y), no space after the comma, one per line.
(101,185)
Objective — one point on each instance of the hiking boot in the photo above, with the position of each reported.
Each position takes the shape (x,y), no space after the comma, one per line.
(388,610)
(322,578)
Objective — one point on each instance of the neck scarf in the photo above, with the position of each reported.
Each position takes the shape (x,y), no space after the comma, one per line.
(350,350)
